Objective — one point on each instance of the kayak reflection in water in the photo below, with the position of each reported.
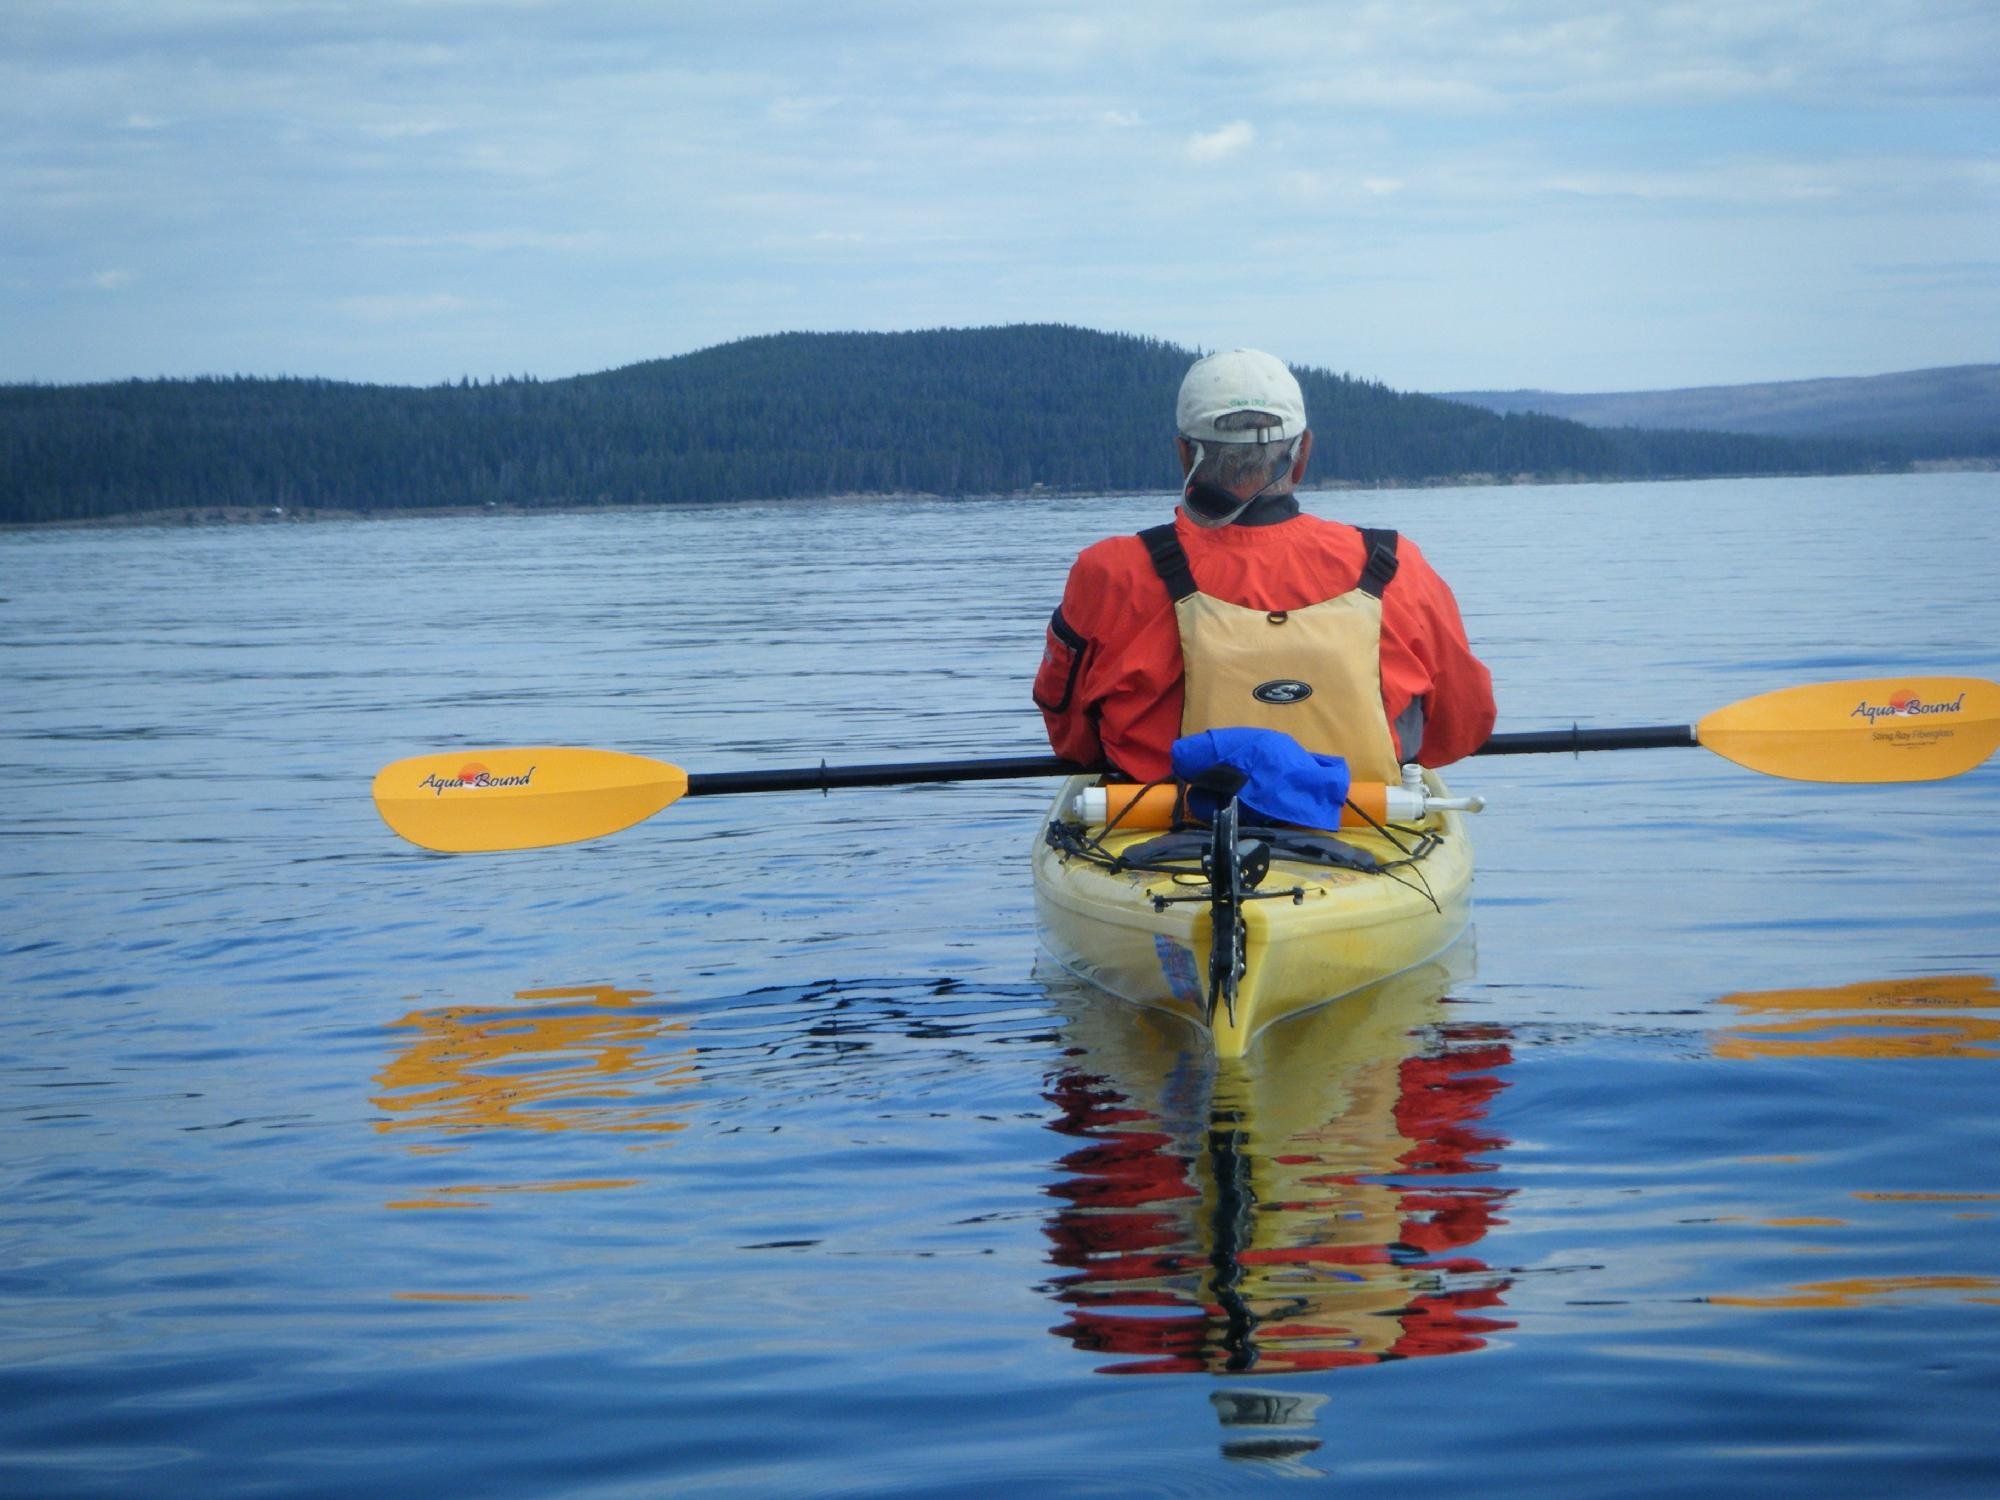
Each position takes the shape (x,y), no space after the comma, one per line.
(1306,1209)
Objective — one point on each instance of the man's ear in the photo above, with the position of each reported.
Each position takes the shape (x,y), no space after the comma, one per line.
(1185,450)
(1305,452)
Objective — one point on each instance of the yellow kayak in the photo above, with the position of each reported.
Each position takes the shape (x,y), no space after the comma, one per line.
(1310,931)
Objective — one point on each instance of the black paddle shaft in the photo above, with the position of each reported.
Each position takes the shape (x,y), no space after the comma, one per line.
(825,778)
(1575,740)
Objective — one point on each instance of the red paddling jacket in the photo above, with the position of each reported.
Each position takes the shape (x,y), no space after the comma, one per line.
(1110,684)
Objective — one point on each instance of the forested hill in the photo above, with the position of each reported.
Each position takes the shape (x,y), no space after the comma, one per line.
(948,412)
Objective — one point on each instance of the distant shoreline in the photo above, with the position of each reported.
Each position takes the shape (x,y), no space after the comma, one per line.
(943,414)
(181,516)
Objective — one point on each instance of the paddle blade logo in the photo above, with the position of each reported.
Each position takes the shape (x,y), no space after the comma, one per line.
(1906,705)
(473,777)
(1283,690)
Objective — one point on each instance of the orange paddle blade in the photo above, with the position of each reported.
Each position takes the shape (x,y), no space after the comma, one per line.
(468,801)
(1873,729)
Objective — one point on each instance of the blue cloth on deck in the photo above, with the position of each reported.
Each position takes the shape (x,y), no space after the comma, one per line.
(1287,782)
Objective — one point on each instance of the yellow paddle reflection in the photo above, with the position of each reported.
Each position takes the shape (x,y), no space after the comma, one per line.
(1864,1291)
(1926,1017)
(1308,1207)
(1935,1016)
(577,1058)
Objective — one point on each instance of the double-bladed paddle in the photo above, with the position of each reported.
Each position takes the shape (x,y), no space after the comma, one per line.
(1872,730)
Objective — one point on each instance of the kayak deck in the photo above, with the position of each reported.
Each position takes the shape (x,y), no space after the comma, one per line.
(1314,934)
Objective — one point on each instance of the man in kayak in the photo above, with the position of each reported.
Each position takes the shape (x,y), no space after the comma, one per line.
(1244,611)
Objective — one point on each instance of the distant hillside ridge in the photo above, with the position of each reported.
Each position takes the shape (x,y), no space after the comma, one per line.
(947,412)
(1950,412)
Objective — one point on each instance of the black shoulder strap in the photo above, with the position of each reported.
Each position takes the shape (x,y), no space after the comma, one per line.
(1381,564)
(1169,560)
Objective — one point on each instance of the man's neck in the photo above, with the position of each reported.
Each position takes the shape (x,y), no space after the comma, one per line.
(1268,510)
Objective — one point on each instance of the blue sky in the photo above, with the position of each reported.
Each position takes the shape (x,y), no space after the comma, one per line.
(1439,194)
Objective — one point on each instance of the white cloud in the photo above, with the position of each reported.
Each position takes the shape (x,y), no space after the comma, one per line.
(626,180)
(818,239)
(795,109)
(1469,56)
(484,240)
(1394,92)
(1313,187)
(1016,38)
(1875,181)
(402,308)
(1219,145)
(402,130)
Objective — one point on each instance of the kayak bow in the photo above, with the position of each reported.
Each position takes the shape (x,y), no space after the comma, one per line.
(1147,919)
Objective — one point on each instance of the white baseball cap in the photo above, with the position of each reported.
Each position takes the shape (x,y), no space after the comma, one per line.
(1240,380)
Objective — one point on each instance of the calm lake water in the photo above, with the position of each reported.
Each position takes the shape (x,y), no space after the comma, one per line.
(752,1151)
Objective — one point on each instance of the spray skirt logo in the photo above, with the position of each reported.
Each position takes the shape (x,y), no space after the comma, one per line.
(1283,690)
(472,776)
(1905,705)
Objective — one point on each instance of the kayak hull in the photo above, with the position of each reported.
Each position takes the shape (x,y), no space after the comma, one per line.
(1314,935)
